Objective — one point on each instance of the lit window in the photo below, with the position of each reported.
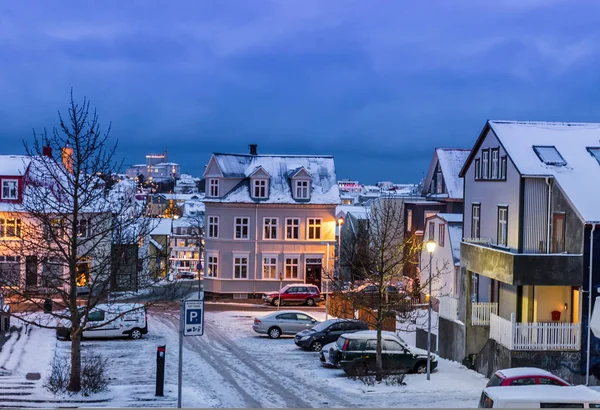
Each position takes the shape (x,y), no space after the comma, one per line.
(549,155)
(301,189)
(409,220)
(270,267)
(260,188)
(241,228)
(314,228)
(240,267)
(10,189)
(212,267)
(292,228)
(291,268)
(271,225)
(10,228)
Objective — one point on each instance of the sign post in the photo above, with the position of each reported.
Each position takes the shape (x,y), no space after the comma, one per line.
(191,323)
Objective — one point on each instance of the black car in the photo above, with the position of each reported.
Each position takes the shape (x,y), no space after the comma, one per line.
(327,332)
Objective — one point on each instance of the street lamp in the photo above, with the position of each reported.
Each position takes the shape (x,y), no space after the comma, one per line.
(430,244)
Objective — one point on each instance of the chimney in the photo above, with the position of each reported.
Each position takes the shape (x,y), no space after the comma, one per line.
(47,151)
(67,158)
(253,148)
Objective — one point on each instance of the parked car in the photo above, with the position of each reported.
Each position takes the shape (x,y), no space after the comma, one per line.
(371,290)
(524,376)
(187,275)
(110,320)
(324,355)
(356,352)
(539,396)
(286,322)
(300,293)
(326,332)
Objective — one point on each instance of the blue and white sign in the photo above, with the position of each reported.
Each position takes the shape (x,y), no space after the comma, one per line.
(193,318)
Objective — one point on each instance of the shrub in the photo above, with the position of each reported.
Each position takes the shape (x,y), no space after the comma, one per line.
(93,375)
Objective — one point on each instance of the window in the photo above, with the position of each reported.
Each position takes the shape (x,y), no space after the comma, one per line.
(392,346)
(502,225)
(595,152)
(442,235)
(495,163)
(96,316)
(270,228)
(477,169)
(10,270)
(558,232)
(409,220)
(503,167)
(292,228)
(291,268)
(212,266)
(10,189)
(549,155)
(301,189)
(270,267)
(301,316)
(547,380)
(439,183)
(82,270)
(475,215)
(432,231)
(213,185)
(213,227)
(52,272)
(314,228)
(241,228)
(84,228)
(10,228)
(240,267)
(562,405)
(287,316)
(523,381)
(485,164)
(259,188)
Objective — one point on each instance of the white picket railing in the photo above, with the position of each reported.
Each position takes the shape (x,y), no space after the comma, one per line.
(448,307)
(535,336)
(480,313)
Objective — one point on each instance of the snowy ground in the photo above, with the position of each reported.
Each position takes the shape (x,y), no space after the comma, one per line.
(230,366)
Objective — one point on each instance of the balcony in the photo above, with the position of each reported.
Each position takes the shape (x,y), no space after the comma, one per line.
(535,336)
(481,313)
(506,266)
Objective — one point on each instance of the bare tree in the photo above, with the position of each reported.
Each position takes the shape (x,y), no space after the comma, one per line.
(73,234)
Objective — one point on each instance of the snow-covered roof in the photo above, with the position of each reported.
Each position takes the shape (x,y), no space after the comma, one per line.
(358,211)
(280,168)
(451,161)
(162,226)
(166,164)
(451,217)
(13,165)
(571,140)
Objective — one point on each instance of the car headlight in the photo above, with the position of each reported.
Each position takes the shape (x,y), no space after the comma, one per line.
(433,358)
(304,338)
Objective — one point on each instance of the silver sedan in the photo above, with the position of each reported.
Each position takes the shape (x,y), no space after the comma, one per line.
(285,322)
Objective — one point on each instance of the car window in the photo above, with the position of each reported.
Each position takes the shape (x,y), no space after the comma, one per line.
(523,381)
(371,345)
(313,289)
(561,405)
(302,290)
(547,380)
(485,402)
(349,326)
(495,381)
(392,346)
(96,316)
(340,342)
(301,316)
(355,344)
(291,290)
(287,316)
(336,327)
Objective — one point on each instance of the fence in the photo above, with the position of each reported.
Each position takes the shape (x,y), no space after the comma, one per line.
(342,307)
(481,313)
(448,307)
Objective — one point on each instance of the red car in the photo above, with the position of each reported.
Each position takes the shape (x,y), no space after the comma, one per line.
(300,293)
(525,376)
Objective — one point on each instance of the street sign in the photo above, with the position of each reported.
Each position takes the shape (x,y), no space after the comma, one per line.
(193,318)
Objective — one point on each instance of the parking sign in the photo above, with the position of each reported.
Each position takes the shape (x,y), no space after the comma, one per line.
(193,318)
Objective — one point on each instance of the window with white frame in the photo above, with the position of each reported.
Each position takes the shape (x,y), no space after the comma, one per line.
(213,227)
(477,173)
(213,187)
(241,227)
(270,228)
(502,225)
(439,183)
(10,228)
(301,189)
(442,235)
(409,220)
(485,164)
(84,228)
(10,189)
(10,270)
(269,263)
(495,163)
(212,265)
(291,267)
(431,231)
(240,266)
(292,228)
(314,228)
(259,188)
(475,217)
(52,272)
(503,167)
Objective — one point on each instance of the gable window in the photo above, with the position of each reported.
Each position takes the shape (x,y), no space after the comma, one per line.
(291,268)
(213,185)
(558,232)
(442,235)
(212,266)
(10,228)
(241,228)
(495,163)
(270,267)
(503,162)
(475,216)
(502,238)
(259,188)
(213,227)
(292,228)
(301,189)
(431,231)
(10,189)
(485,164)
(409,220)
(270,228)
(314,228)
(240,266)
(477,169)
(595,152)
(439,183)
(549,155)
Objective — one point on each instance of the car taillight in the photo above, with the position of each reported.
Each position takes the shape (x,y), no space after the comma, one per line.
(256,321)
(346,343)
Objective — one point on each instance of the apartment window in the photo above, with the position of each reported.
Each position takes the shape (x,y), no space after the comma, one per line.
(314,228)
(212,265)
(241,228)
(240,267)
(477,169)
(291,268)
(10,270)
(82,271)
(10,228)
(475,217)
(292,228)
(503,162)
(409,220)
(213,227)
(442,235)
(260,188)
(270,228)
(439,183)
(84,228)
(485,164)
(52,272)
(270,267)
(495,163)
(595,152)
(10,189)
(502,225)
(431,231)
(213,185)
(301,189)
(558,232)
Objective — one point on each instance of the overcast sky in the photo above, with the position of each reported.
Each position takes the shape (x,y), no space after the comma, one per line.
(377,84)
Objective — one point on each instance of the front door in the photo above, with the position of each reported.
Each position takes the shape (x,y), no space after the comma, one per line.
(31,274)
(313,274)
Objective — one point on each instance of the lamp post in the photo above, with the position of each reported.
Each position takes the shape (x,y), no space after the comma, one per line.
(327,282)
(430,248)
(340,222)
(199,267)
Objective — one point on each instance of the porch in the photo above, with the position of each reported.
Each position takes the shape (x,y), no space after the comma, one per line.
(480,312)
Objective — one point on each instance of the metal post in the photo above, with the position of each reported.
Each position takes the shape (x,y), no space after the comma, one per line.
(179,371)
(200,276)
(429,321)
(327,287)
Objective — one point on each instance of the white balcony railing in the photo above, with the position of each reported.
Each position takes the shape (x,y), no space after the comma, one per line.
(448,308)
(480,313)
(535,336)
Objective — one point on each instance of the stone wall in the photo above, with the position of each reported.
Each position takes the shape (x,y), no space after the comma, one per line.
(452,340)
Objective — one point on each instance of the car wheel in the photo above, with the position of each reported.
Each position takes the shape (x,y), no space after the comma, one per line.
(135,334)
(310,302)
(420,367)
(274,332)
(276,302)
(316,346)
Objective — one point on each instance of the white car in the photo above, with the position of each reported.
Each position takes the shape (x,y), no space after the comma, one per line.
(324,355)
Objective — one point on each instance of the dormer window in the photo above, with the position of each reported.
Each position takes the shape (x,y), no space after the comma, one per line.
(301,189)
(10,189)
(213,187)
(595,151)
(549,155)
(259,188)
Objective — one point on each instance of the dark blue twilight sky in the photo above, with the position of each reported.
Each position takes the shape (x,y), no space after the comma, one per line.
(378,84)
